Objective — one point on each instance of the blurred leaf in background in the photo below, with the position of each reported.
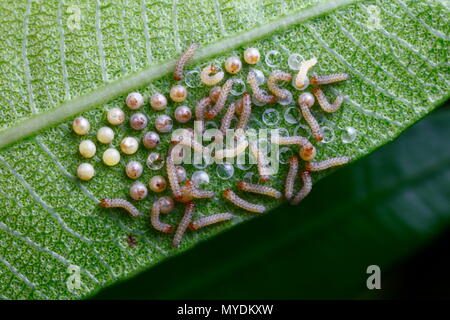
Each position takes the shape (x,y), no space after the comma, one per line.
(378,211)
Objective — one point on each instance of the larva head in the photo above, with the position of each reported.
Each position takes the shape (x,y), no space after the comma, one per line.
(293,160)
(214,93)
(192,227)
(227,193)
(169,229)
(265,178)
(189,183)
(239,105)
(104,203)
(307,99)
(305,174)
(190,206)
(308,167)
(241,185)
(209,115)
(307,153)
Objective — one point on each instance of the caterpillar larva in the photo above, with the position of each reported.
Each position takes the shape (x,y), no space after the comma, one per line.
(305,190)
(290,178)
(261,161)
(154,219)
(232,153)
(209,79)
(184,223)
(200,110)
(241,203)
(323,101)
(307,151)
(184,58)
(275,76)
(190,142)
(327,79)
(214,111)
(172,175)
(227,118)
(246,111)
(306,101)
(260,189)
(301,80)
(189,192)
(120,203)
(209,220)
(259,94)
(325,164)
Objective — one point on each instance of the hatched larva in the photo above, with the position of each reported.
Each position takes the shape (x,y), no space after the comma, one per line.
(305,190)
(325,164)
(172,175)
(227,118)
(190,142)
(197,193)
(261,161)
(260,189)
(232,153)
(209,220)
(239,106)
(246,112)
(184,223)
(327,79)
(275,76)
(209,79)
(120,203)
(323,101)
(154,219)
(241,203)
(307,150)
(184,58)
(259,94)
(312,122)
(290,178)
(200,110)
(301,80)
(210,114)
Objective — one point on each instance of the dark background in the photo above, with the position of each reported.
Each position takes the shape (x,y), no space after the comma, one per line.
(391,208)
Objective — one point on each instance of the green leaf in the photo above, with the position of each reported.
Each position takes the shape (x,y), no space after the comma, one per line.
(59,59)
(388,205)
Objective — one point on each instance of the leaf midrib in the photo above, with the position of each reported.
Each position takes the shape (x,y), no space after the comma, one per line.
(101,95)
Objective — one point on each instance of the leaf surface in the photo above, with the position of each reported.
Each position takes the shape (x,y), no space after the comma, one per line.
(59,59)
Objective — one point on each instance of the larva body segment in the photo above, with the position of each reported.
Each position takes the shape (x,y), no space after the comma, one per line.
(259,94)
(290,178)
(312,122)
(232,153)
(331,78)
(246,112)
(305,190)
(182,61)
(276,76)
(302,78)
(184,223)
(227,118)
(307,151)
(259,189)
(209,79)
(325,164)
(241,203)
(224,92)
(172,175)
(120,203)
(323,101)
(209,220)
(154,219)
